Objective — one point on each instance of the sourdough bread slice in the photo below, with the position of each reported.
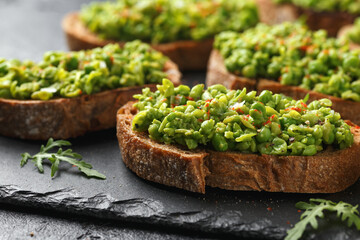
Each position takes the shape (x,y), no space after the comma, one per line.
(217,73)
(188,55)
(326,172)
(64,118)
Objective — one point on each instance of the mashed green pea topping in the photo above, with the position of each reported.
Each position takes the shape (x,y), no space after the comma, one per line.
(350,6)
(238,120)
(71,74)
(160,21)
(293,55)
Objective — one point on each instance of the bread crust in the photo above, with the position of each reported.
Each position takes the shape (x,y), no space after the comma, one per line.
(348,109)
(158,162)
(64,118)
(217,72)
(271,13)
(327,172)
(332,22)
(188,55)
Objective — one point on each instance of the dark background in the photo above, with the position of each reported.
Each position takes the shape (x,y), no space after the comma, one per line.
(28,28)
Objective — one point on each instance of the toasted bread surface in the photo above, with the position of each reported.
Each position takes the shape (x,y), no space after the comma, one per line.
(158,162)
(326,172)
(64,118)
(271,13)
(348,109)
(332,22)
(188,55)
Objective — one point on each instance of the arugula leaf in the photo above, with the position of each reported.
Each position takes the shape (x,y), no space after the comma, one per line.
(66,156)
(306,98)
(316,208)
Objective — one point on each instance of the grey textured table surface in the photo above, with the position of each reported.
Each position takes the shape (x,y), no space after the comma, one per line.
(28,28)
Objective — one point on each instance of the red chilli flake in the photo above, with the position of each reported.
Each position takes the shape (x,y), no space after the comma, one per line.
(304,105)
(239,111)
(272,117)
(164,100)
(294,108)
(257,110)
(269,209)
(267,122)
(200,120)
(304,48)
(189,98)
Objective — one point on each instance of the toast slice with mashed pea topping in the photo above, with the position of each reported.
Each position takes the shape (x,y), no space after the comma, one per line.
(70,93)
(182,30)
(236,140)
(290,59)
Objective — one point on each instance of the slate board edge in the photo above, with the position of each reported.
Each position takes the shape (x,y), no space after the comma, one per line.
(139,210)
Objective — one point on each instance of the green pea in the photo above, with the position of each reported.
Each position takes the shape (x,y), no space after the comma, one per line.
(182,90)
(245,137)
(219,143)
(167,89)
(207,126)
(154,130)
(355,86)
(309,150)
(264,135)
(351,62)
(317,67)
(220,88)
(140,122)
(41,95)
(265,96)
(328,133)
(191,143)
(196,91)
(279,146)
(275,128)
(249,71)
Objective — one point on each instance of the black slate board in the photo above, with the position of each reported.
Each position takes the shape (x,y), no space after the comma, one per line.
(124,196)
